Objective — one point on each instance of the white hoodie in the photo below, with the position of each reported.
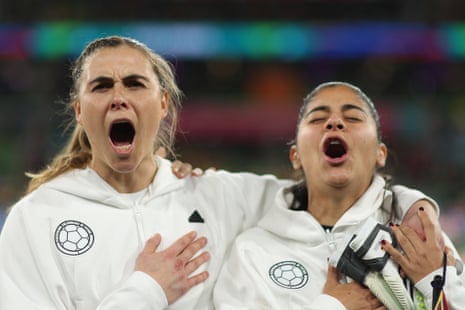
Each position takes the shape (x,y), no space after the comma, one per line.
(72,243)
(282,263)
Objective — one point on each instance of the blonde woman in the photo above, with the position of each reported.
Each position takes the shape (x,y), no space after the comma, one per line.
(107,225)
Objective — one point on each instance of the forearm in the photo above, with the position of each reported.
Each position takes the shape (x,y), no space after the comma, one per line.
(140,291)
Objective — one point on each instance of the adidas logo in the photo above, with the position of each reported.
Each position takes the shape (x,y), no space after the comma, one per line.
(195,217)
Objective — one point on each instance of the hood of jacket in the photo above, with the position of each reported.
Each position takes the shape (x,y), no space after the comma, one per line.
(87,184)
(301,225)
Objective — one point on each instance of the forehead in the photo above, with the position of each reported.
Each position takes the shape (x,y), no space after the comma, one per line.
(337,96)
(117,61)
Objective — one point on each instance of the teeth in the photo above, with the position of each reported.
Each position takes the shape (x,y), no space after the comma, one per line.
(123,147)
(335,142)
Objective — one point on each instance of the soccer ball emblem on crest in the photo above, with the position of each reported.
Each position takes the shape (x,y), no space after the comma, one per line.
(289,274)
(73,238)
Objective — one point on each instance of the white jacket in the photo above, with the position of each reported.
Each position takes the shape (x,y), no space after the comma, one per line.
(282,263)
(72,243)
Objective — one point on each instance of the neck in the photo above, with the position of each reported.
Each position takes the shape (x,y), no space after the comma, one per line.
(328,206)
(132,181)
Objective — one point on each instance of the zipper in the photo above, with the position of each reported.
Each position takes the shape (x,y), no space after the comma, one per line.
(140,227)
(330,239)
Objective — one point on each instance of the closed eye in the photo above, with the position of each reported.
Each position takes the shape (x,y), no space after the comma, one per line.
(354,116)
(353,119)
(317,116)
(316,120)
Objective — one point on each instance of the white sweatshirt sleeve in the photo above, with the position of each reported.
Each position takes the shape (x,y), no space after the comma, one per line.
(257,194)
(454,288)
(140,292)
(29,279)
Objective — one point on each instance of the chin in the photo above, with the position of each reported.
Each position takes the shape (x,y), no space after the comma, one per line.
(123,168)
(338,181)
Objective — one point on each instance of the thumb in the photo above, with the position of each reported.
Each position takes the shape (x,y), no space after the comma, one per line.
(152,244)
(332,277)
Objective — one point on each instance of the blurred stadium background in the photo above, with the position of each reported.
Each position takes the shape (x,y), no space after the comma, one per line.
(244,66)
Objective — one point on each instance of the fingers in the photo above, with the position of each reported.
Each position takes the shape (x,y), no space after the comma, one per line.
(161,152)
(189,251)
(195,263)
(179,245)
(197,172)
(395,254)
(406,237)
(428,225)
(420,256)
(194,280)
(181,169)
(152,244)
(375,302)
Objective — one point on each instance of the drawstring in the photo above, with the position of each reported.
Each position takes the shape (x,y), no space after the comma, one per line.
(439,299)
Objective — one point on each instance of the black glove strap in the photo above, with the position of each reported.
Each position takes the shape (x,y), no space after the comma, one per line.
(439,281)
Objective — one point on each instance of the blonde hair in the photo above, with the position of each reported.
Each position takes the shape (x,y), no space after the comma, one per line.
(77,152)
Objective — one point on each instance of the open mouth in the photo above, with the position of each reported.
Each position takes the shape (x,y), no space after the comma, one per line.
(122,135)
(335,148)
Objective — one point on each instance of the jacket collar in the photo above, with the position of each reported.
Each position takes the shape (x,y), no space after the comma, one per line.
(87,184)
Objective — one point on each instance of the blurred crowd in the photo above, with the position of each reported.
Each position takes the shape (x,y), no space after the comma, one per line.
(239,112)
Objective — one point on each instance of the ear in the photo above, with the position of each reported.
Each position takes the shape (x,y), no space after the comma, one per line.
(295,158)
(164,104)
(381,155)
(77,111)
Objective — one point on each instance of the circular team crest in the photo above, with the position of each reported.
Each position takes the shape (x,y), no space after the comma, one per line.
(73,237)
(289,274)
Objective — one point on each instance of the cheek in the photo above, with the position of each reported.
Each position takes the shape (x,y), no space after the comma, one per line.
(92,120)
(308,136)
(367,145)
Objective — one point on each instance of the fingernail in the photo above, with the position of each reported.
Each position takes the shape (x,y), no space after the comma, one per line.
(390,224)
(383,242)
(421,209)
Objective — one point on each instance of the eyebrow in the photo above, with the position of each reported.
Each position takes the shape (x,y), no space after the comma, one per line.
(345,107)
(101,79)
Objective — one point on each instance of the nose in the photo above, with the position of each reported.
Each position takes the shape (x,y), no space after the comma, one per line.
(118,101)
(118,104)
(334,124)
